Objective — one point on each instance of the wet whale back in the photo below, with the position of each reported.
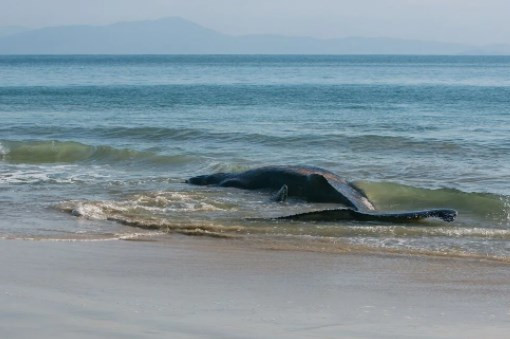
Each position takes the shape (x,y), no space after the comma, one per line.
(311,183)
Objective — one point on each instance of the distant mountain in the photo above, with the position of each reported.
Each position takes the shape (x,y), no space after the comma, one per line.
(490,50)
(178,36)
(7,30)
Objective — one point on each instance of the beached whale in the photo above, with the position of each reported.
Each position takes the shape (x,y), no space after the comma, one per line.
(315,185)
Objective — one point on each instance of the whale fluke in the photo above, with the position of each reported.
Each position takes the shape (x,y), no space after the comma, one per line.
(447,215)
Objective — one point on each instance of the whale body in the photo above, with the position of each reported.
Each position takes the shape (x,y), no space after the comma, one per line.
(315,184)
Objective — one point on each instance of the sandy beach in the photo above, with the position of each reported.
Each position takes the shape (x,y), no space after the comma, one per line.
(187,287)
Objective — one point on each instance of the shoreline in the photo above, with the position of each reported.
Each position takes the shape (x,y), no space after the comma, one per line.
(198,287)
(283,243)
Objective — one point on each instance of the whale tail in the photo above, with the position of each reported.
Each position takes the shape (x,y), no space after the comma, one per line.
(349,214)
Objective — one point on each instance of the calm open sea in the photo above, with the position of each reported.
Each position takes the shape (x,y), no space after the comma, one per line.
(114,137)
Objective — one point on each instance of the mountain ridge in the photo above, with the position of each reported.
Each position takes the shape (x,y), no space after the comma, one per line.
(175,35)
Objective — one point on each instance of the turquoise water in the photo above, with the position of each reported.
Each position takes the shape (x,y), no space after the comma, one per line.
(114,137)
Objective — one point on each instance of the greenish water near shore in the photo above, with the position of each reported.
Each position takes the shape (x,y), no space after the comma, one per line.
(114,137)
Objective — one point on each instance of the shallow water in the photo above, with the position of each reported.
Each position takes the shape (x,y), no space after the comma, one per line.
(98,147)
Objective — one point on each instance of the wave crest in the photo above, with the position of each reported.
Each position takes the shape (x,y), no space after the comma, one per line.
(43,152)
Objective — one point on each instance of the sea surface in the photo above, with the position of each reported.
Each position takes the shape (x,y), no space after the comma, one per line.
(98,147)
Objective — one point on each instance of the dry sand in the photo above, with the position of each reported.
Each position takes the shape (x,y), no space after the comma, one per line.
(184,287)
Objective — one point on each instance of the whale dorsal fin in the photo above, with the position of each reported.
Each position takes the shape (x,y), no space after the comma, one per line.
(354,195)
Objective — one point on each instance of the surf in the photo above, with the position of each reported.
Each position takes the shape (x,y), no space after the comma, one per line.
(71,152)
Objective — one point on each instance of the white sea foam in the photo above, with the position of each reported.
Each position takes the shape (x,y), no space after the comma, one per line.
(86,237)
(506,208)
(172,201)
(58,174)
(4,150)
(148,206)
(90,211)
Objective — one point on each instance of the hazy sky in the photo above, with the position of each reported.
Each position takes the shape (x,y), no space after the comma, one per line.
(466,21)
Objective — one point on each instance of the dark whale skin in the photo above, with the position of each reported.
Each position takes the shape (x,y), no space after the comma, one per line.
(309,183)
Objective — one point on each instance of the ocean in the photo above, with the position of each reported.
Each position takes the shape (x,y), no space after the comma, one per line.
(97,148)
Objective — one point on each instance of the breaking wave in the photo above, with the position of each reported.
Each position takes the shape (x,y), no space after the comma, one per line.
(486,207)
(46,152)
(482,228)
(371,141)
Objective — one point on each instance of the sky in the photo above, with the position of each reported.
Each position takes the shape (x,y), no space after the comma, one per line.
(479,22)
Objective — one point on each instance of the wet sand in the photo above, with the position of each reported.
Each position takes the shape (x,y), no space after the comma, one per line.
(186,287)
